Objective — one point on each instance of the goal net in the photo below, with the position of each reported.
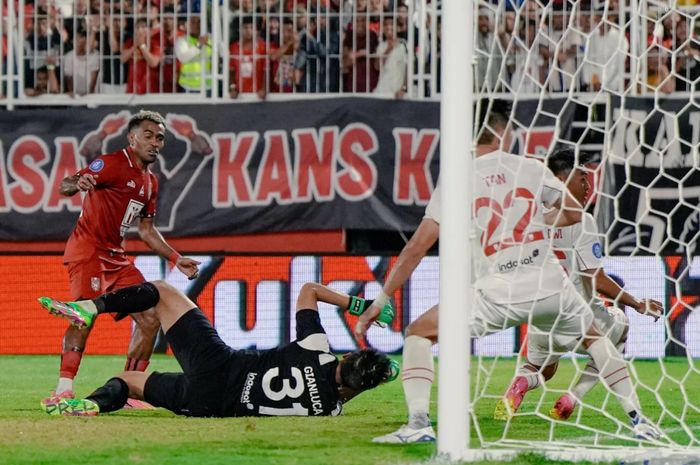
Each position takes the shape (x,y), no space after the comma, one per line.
(614,82)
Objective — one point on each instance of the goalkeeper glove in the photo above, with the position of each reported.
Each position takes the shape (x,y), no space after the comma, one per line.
(358,305)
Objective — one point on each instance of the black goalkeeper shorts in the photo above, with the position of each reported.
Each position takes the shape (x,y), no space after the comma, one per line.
(208,365)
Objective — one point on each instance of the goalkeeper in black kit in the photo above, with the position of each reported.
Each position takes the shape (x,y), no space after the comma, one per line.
(301,378)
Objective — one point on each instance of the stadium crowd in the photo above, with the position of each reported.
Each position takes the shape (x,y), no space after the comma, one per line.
(331,46)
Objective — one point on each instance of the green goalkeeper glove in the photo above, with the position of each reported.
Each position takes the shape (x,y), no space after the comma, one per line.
(358,305)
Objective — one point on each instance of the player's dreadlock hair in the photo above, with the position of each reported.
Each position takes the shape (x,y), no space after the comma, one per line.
(145,115)
(366,369)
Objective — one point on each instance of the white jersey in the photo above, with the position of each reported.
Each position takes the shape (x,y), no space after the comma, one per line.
(512,258)
(578,249)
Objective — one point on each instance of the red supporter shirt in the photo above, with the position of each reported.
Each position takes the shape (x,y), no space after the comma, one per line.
(141,78)
(248,66)
(123,192)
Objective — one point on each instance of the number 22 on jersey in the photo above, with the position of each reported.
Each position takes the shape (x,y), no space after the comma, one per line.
(498,211)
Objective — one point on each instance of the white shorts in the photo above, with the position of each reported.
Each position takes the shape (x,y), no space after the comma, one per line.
(565,313)
(544,350)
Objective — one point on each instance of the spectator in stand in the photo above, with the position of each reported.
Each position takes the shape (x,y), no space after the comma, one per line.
(247,63)
(169,70)
(605,54)
(80,66)
(376,10)
(282,59)
(564,44)
(359,48)
(44,41)
(113,74)
(195,55)
(402,21)
(142,55)
(687,58)
(46,80)
(488,53)
(525,61)
(329,38)
(392,62)
(310,60)
(659,78)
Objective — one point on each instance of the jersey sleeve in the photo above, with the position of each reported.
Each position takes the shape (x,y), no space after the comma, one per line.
(310,333)
(149,210)
(432,211)
(552,187)
(587,246)
(103,168)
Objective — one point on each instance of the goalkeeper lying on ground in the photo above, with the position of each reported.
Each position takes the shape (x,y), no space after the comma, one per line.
(300,378)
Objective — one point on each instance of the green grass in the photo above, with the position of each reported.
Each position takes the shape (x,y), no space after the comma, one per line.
(29,436)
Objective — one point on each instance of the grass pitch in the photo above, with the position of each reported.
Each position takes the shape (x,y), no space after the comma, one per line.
(29,436)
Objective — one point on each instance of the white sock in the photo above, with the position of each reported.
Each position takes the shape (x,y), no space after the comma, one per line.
(613,371)
(587,381)
(590,376)
(64,384)
(88,305)
(417,377)
(531,374)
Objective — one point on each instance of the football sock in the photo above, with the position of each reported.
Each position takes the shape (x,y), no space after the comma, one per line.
(112,396)
(531,374)
(590,376)
(70,362)
(64,384)
(134,364)
(588,379)
(131,299)
(417,377)
(613,371)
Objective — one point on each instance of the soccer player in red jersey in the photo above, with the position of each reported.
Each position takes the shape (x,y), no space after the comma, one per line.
(119,188)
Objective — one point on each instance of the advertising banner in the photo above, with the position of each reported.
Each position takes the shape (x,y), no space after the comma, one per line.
(349,163)
(251,300)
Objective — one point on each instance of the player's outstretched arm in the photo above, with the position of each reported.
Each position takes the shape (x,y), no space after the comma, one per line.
(413,252)
(605,285)
(71,185)
(154,239)
(313,293)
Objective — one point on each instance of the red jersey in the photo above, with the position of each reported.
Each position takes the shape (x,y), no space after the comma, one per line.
(123,192)
(248,66)
(141,78)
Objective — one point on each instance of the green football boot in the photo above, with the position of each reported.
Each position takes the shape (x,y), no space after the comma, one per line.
(70,407)
(71,311)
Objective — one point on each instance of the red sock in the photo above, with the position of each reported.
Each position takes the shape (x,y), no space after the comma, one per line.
(70,362)
(133,364)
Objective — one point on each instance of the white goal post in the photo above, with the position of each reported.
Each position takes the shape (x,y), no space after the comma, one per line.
(616,80)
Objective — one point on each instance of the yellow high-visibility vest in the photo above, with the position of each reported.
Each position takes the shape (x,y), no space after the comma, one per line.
(191,72)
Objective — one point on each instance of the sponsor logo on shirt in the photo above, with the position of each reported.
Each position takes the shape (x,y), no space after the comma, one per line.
(510,265)
(97,165)
(245,395)
(597,250)
(95,283)
(131,184)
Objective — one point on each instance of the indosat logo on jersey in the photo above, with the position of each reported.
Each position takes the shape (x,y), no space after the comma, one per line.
(511,265)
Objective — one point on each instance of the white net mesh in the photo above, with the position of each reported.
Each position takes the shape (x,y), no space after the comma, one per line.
(615,83)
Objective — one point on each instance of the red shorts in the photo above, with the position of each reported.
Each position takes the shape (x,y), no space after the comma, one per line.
(100,274)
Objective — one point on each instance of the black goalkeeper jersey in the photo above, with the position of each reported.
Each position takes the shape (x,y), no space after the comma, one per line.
(294,379)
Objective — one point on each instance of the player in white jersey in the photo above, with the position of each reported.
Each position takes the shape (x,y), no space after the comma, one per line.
(518,280)
(579,250)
